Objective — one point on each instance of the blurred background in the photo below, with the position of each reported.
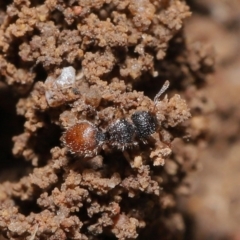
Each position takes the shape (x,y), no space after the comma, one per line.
(213,209)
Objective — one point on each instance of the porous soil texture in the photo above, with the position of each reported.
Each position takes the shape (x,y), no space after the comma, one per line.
(89,147)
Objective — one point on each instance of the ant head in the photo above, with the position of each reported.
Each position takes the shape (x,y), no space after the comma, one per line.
(145,123)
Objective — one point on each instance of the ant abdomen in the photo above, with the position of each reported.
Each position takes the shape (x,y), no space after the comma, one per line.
(84,138)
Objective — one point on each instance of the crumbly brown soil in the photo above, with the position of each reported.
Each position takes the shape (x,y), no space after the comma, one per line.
(122,52)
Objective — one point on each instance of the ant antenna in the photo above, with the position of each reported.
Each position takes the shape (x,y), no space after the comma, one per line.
(162,90)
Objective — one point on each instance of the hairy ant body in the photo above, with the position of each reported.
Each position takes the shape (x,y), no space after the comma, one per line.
(86,139)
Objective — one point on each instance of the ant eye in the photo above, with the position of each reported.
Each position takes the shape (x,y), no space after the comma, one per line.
(83,138)
(121,134)
(145,123)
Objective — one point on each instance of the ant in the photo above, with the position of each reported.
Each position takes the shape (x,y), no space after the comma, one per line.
(85,139)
